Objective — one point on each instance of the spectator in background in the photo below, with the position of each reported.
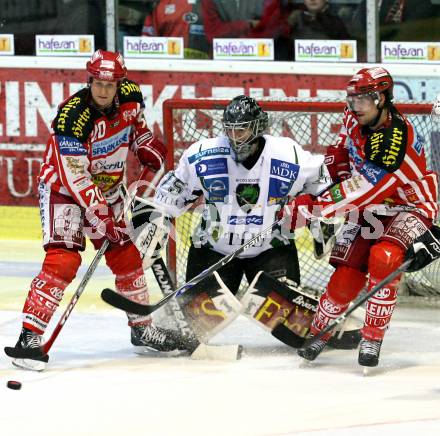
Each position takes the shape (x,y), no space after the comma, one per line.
(273,24)
(231,18)
(316,22)
(402,20)
(179,18)
(131,15)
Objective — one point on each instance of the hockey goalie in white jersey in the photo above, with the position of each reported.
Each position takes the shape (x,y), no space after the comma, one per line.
(245,177)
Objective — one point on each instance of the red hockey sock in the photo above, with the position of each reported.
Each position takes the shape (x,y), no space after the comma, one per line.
(126,264)
(134,287)
(344,285)
(385,257)
(47,289)
(328,310)
(379,309)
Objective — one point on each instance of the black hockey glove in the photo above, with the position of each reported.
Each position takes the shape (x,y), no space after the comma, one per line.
(424,250)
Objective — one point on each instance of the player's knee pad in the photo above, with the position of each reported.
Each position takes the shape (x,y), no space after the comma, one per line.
(123,259)
(345,284)
(62,263)
(385,257)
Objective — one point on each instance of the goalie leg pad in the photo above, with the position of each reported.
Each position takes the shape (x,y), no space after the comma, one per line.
(173,312)
(209,309)
(280,309)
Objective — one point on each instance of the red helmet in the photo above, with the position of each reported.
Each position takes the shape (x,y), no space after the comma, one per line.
(107,65)
(367,80)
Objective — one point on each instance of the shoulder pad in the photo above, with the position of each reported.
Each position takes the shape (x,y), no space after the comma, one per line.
(387,147)
(130,92)
(75,117)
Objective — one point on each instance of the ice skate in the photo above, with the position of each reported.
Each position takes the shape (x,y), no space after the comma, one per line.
(313,350)
(152,338)
(28,341)
(369,354)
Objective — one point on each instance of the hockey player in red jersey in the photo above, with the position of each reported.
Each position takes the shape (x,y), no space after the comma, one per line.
(83,168)
(389,199)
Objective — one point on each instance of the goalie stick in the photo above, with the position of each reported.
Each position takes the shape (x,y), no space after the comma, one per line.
(358,302)
(43,350)
(116,300)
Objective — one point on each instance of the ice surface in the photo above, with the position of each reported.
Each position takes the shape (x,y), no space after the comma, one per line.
(96,385)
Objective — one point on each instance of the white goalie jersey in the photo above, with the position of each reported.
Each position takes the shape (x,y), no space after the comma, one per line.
(239,202)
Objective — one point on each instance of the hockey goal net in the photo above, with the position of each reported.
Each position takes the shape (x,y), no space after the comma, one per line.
(314,124)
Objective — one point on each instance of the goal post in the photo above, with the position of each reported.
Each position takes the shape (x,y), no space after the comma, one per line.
(314,123)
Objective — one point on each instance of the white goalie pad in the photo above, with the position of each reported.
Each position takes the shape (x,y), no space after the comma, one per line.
(282,310)
(210,311)
(151,227)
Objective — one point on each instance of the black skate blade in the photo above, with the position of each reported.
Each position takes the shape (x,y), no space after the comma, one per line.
(26,353)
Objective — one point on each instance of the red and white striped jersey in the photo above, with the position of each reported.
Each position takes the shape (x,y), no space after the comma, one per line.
(388,168)
(86,154)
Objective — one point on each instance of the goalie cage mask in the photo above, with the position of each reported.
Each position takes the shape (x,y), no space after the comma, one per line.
(243,122)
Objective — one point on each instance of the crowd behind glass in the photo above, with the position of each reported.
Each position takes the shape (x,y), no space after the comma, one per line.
(199,21)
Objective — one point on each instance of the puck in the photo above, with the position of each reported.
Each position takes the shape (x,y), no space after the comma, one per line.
(15,385)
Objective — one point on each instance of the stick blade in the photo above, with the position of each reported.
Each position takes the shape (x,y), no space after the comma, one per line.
(225,353)
(120,302)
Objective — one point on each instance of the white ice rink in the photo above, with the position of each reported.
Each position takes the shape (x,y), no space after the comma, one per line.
(96,385)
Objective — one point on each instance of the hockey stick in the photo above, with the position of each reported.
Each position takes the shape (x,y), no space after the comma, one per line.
(116,300)
(43,350)
(358,302)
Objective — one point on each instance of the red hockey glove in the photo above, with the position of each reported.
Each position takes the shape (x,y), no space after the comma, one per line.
(150,151)
(299,210)
(146,181)
(337,162)
(102,220)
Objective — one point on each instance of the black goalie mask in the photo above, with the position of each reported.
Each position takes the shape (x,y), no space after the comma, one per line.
(243,122)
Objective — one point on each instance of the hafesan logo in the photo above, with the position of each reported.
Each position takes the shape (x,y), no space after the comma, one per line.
(433,52)
(5,44)
(346,50)
(85,45)
(173,46)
